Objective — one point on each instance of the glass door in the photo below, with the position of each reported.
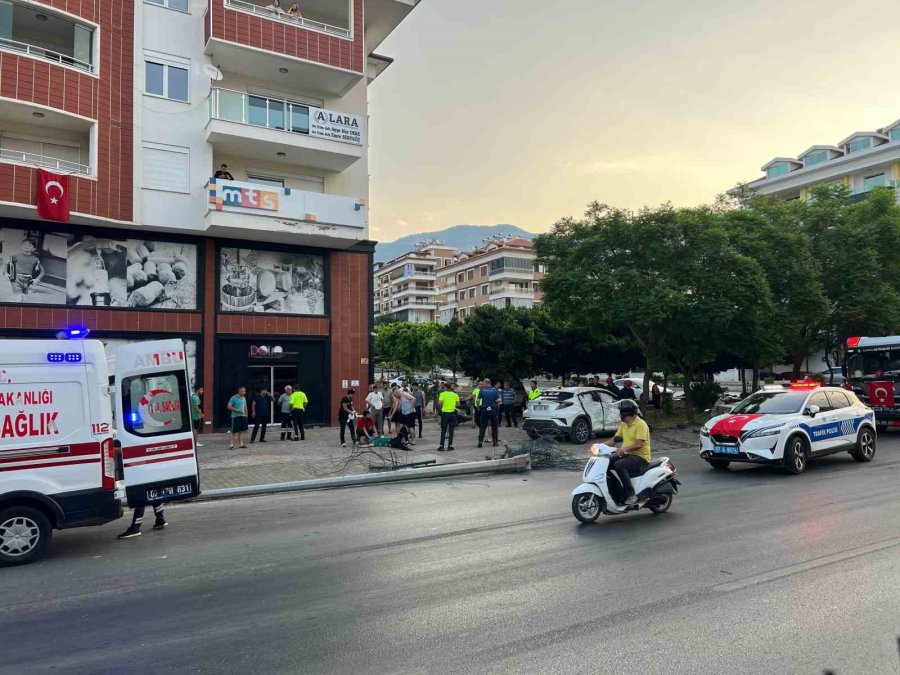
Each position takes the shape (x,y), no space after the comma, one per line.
(273,378)
(257,378)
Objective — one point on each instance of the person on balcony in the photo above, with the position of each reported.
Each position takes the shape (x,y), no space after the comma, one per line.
(294,11)
(223,172)
(275,7)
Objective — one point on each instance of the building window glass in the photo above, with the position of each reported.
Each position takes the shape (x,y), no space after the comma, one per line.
(483,271)
(460,277)
(470,274)
(815,158)
(484,289)
(512,265)
(472,292)
(859,144)
(873,182)
(180,5)
(167,81)
(51,37)
(778,170)
(895,134)
(462,295)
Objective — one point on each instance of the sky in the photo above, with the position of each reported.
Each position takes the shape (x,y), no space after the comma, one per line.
(525,111)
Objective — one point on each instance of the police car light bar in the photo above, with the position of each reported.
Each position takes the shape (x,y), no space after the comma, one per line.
(805,385)
(853,342)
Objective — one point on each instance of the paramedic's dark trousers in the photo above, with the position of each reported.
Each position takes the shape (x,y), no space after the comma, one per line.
(448,426)
(297,418)
(488,417)
(138,516)
(286,426)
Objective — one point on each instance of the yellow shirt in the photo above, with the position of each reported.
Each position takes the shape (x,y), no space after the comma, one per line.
(638,431)
(475,393)
(449,400)
(298,400)
(534,393)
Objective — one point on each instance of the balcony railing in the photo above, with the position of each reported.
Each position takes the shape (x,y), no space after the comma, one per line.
(511,290)
(43,53)
(59,165)
(283,16)
(258,111)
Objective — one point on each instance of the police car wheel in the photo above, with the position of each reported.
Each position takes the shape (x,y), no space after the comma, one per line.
(865,446)
(24,535)
(796,455)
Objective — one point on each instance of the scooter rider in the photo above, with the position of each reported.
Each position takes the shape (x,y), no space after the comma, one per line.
(633,456)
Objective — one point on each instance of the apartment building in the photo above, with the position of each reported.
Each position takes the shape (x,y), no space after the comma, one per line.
(217,182)
(501,273)
(405,287)
(861,162)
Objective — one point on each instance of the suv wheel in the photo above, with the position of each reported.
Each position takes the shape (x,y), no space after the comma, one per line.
(581,431)
(796,455)
(865,446)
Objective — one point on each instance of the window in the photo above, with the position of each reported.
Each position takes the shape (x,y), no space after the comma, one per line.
(483,271)
(462,296)
(484,289)
(778,169)
(447,262)
(472,292)
(156,404)
(166,81)
(470,274)
(512,265)
(51,37)
(462,313)
(859,144)
(815,158)
(265,180)
(460,278)
(166,167)
(838,400)
(895,134)
(873,182)
(180,5)
(820,400)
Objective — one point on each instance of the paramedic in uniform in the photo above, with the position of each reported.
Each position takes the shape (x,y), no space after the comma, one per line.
(134,530)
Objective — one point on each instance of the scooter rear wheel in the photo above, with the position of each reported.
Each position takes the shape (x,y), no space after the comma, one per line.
(586,507)
(663,506)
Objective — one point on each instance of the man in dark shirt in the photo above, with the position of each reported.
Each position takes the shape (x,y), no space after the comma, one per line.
(611,387)
(628,391)
(490,402)
(224,174)
(508,395)
(259,413)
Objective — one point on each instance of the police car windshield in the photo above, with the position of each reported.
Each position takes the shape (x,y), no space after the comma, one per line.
(771,403)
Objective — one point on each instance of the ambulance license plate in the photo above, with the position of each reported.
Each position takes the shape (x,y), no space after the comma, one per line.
(169,491)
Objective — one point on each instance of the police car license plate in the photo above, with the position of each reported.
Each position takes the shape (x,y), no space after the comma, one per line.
(169,491)
(726,450)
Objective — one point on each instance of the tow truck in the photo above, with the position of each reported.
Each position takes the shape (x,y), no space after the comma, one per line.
(872,372)
(65,460)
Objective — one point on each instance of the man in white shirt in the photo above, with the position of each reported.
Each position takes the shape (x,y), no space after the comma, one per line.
(375,403)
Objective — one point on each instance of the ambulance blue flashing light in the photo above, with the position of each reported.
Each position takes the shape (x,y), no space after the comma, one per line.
(76,332)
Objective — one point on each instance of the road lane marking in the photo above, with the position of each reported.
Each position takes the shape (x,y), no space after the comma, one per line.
(773,575)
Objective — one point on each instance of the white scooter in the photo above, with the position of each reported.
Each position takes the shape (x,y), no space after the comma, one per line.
(603,492)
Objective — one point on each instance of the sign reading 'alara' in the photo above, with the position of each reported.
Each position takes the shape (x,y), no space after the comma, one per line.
(335,126)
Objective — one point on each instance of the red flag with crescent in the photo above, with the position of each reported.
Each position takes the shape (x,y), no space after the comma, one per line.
(881,394)
(53,196)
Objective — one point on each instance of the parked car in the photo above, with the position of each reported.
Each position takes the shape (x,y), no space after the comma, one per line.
(637,385)
(575,413)
(836,372)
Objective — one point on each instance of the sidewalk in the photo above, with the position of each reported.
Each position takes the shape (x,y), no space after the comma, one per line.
(320,455)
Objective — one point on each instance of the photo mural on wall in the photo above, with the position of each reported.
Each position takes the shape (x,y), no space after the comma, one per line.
(271,281)
(54,268)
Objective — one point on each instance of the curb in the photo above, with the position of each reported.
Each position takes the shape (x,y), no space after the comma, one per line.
(511,464)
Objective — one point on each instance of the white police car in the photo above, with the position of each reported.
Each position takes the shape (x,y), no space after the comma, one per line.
(788,426)
(573,412)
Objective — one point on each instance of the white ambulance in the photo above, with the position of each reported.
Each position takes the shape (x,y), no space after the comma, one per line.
(63,462)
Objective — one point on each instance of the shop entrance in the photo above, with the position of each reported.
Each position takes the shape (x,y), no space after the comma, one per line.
(273,378)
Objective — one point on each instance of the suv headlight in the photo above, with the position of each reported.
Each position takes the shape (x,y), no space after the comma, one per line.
(769,431)
(704,431)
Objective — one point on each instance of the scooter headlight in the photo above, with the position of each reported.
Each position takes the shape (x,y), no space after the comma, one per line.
(595,449)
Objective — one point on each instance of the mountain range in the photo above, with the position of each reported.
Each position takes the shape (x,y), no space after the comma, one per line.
(462,237)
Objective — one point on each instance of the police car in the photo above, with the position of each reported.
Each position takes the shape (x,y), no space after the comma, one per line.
(788,426)
(573,412)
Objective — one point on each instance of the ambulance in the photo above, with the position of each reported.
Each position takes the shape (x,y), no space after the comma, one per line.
(75,449)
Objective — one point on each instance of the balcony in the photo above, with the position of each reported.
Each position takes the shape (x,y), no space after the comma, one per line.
(316,52)
(275,130)
(39,32)
(35,136)
(523,292)
(265,212)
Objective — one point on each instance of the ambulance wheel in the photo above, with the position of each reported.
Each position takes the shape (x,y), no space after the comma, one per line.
(581,431)
(24,535)
(796,455)
(586,507)
(719,464)
(865,446)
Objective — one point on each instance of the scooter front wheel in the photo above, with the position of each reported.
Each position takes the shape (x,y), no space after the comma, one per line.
(586,507)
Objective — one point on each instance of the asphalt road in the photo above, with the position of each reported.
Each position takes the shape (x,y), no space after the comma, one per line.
(753,571)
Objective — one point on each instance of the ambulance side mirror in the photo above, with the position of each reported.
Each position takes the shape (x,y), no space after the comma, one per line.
(812,411)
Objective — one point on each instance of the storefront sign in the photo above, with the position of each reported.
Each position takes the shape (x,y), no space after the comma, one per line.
(286,203)
(335,126)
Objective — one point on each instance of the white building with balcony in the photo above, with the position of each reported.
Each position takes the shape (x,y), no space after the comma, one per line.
(862,161)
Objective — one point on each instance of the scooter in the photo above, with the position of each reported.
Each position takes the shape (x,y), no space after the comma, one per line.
(602,490)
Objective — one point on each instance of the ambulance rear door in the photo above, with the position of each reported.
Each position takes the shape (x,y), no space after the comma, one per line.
(153,422)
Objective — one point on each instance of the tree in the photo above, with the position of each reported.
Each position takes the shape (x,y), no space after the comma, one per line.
(406,346)
(669,276)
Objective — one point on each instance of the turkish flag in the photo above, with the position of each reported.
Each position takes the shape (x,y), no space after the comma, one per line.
(53,196)
(881,394)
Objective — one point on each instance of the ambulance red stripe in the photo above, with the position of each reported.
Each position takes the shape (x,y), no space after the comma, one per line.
(168,458)
(135,451)
(53,465)
(74,450)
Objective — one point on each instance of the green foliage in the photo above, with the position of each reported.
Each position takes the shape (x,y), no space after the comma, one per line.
(408,347)
(705,393)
